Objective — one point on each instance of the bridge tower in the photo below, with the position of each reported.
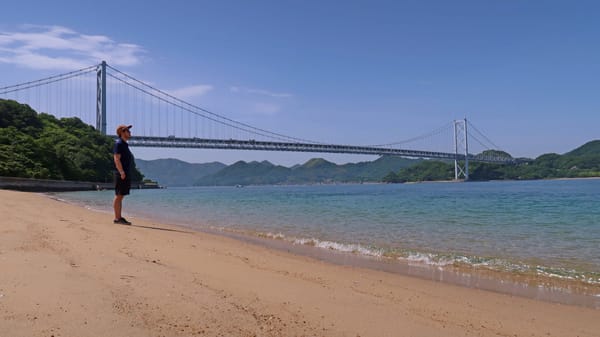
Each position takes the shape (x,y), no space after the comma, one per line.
(101,98)
(461,144)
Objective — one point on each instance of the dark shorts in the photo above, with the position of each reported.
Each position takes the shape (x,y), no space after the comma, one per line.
(122,186)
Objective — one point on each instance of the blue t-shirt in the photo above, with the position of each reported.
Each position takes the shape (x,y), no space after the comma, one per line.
(122,148)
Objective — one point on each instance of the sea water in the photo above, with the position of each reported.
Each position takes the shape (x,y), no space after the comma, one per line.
(547,228)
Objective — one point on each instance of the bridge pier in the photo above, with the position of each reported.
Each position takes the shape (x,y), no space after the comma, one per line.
(461,144)
(101,98)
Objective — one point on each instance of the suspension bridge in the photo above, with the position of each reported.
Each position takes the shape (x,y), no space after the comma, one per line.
(102,95)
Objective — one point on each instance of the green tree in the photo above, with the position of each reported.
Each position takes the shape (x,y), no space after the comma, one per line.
(36,145)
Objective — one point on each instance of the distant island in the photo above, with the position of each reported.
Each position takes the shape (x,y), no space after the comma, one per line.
(582,162)
(41,146)
(174,172)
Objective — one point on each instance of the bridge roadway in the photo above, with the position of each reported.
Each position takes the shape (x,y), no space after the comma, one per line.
(234,144)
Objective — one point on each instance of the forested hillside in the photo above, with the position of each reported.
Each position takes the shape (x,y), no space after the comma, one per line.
(175,172)
(40,146)
(316,170)
(582,162)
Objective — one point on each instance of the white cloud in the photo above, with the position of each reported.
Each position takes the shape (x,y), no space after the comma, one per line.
(61,48)
(260,92)
(191,91)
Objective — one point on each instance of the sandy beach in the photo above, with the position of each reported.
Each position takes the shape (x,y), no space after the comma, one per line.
(68,271)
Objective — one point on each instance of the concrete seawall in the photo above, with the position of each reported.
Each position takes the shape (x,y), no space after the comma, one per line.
(46,185)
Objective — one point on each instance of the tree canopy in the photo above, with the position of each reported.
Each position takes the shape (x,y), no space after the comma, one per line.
(41,146)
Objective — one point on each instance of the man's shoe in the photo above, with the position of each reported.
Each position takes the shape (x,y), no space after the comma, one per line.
(122,221)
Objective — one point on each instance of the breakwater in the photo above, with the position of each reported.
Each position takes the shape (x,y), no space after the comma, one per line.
(48,185)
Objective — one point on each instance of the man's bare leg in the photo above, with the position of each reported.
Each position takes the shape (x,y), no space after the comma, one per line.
(118,206)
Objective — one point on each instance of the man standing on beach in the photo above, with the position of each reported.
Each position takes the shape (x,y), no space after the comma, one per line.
(123,162)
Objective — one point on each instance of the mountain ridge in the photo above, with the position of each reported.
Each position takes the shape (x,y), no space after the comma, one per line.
(174,172)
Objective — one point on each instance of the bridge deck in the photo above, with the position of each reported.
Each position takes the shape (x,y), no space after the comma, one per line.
(235,144)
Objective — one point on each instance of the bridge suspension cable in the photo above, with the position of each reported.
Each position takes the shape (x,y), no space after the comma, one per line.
(54,94)
(489,142)
(136,102)
(45,81)
(204,113)
(435,132)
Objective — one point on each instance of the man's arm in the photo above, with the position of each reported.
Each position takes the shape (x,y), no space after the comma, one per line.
(117,158)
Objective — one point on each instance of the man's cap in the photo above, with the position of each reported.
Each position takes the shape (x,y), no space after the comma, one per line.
(122,128)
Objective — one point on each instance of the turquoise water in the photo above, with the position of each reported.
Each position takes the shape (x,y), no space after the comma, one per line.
(548,228)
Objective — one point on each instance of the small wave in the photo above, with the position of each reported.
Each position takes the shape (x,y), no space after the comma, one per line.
(330,245)
(277,236)
(348,248)
(55,197)
(503,265)
(427,258)
(79,203)
(569,274)
(432,259)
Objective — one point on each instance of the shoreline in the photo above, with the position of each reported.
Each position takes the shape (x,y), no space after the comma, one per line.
(69,271)
(542,288)
(533,286)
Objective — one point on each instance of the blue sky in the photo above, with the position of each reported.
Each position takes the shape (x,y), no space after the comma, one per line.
(525,73)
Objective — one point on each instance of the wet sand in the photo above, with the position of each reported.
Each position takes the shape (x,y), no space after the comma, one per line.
(534,286)
(68,271)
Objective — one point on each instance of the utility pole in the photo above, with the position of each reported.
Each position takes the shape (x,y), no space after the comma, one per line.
(101,98)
